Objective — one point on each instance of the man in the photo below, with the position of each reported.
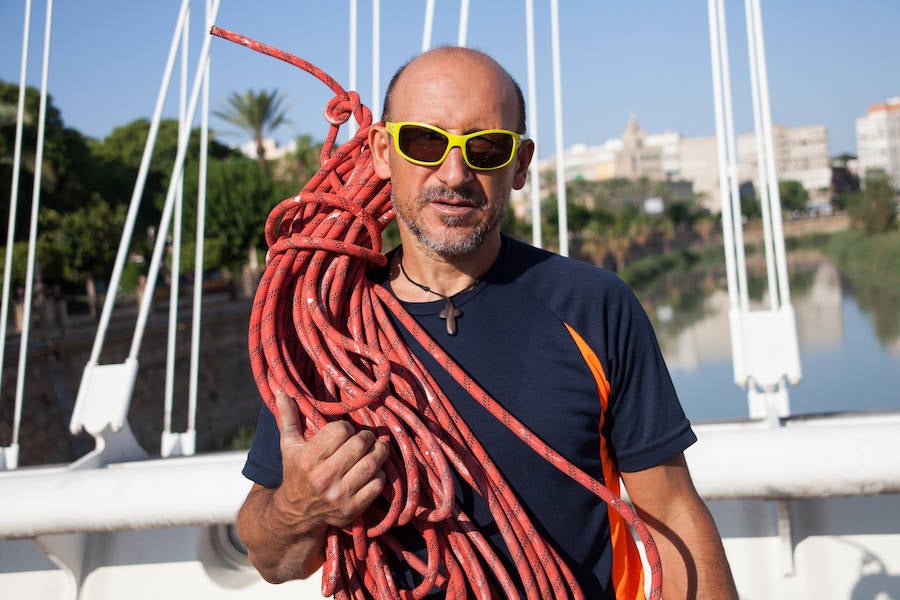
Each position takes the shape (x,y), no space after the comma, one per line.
(562,345)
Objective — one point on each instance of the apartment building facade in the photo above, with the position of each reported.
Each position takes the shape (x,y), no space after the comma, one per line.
(878,139)
(801,154)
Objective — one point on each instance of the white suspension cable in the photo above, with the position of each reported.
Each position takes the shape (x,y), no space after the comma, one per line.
(175,256)
(199,239)
(10,454)
(557,113)
(774,195)
(463,23)
(762,164)
(724,187)
(32,234)
(534,187)
(731,149)
(376,60)
(351,124)
(428,26)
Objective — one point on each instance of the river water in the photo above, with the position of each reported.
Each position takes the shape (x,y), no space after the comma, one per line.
(848,333)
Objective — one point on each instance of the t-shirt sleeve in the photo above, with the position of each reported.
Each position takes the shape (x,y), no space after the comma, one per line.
(263,464)
(647,422)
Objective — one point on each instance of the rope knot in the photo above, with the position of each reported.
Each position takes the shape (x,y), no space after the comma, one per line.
(341,107)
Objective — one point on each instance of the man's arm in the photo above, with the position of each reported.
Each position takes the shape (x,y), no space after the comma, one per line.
(279,551)
(693,559)
(328,480)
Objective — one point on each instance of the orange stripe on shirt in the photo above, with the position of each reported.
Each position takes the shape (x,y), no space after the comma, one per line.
(627,569)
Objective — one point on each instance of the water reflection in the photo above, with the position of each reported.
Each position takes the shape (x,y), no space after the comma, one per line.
(848,331)
(884,308)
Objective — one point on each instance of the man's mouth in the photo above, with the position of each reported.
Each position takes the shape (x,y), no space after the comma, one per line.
(456,201)
(453,198)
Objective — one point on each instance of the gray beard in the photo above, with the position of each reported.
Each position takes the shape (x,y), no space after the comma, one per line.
(456,246)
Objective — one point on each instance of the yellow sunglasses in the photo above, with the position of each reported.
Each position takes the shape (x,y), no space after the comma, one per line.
(427,145)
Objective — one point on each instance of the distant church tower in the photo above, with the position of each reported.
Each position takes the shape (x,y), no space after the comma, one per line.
(628,162)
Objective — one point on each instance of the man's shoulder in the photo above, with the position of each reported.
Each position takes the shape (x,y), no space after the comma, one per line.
(547,270)
(593,300)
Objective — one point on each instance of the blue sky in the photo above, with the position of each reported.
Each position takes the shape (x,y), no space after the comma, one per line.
(828,60)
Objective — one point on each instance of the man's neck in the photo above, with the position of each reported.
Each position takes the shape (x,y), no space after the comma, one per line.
(444,275)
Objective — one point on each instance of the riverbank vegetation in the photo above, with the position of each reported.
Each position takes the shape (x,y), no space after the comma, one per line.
(874,257)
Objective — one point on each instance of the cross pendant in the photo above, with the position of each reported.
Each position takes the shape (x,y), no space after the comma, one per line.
(450,314)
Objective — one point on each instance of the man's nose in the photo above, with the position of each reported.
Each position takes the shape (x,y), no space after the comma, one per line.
(454,171)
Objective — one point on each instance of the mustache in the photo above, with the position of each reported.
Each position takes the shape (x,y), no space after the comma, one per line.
(442,192)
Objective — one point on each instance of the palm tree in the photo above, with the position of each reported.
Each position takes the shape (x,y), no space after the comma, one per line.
(257,113)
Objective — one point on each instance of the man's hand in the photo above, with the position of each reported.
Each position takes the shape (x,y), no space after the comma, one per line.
(330,479)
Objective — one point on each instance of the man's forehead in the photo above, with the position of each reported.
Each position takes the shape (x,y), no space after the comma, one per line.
(462,64)
(447,83)
(433,73)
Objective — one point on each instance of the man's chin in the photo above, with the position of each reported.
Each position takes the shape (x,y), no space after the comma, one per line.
(454,243)
(449,237)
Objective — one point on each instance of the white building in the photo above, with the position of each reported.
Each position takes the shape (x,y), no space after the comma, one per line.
(801,154)
(878,139)
(273,150)
(592,163)
(699,163)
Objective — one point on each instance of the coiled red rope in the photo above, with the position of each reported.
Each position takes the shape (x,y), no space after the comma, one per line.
(321,332)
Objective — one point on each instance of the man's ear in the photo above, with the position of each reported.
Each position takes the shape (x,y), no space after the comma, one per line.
(524,155)
(379,142)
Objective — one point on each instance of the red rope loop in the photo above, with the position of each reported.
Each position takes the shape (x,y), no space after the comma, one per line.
(321,331)
(339,109)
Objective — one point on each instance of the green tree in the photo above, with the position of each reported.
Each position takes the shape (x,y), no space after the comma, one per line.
(874,210)
(793,195)
(53,134)
(681,212)
(240,199)
(118,158)
(66,163)
(750,207)
(19,263)
(121,152)
(618,236)
(843,159)
(80,246)
(256,113)
(668,230)
(513,227)
(705,226)
(578,216)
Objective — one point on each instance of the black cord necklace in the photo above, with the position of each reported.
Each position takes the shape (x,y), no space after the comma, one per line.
(450,312)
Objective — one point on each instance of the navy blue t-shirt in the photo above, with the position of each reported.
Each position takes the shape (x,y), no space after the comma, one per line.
(568,350)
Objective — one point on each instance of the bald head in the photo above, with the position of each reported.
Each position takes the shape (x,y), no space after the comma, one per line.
(434,62)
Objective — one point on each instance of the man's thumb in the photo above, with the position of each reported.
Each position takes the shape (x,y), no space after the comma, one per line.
(288,419)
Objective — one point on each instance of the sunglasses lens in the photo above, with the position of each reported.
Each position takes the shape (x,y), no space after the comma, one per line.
(490,150)
(421,143)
